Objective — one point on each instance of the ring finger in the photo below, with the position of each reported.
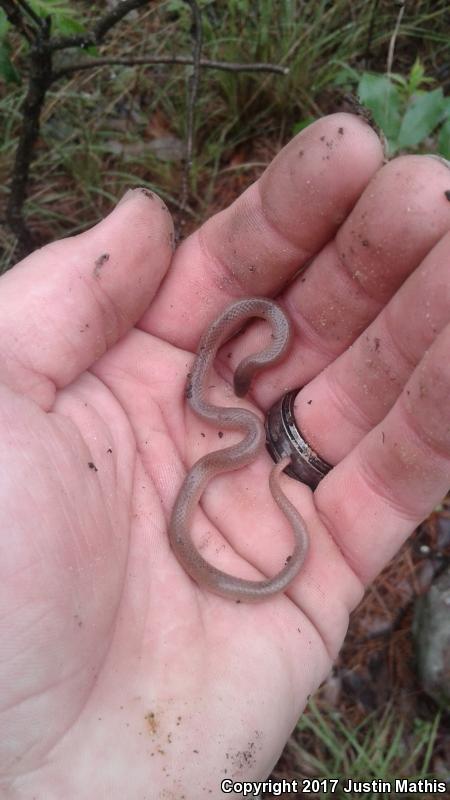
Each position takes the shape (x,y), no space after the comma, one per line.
(369,306)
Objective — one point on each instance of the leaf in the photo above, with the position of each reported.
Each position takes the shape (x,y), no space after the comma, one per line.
(64,19)
(346,75)
(4,24)
(446,108)
(7,70)
(54,7)
(68,25)
(444,140)
(416,76)
(379,94)
(424,112)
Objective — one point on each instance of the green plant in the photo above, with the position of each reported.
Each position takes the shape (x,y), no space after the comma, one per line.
(113,115)
(381,748)
(64,19)
(406,111)
(7,70)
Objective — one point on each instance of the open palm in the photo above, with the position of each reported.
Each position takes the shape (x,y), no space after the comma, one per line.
(119,676)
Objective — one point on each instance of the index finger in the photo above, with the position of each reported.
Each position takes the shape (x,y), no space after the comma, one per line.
(271,231)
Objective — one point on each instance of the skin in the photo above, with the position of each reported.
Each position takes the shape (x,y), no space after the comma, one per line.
(118,677)
(236,456)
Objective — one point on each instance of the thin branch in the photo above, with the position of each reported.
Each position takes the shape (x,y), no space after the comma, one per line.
(196,31)
(40,77)
(16,18)
(101,27)
(39,80)
(28,10)
(204,63)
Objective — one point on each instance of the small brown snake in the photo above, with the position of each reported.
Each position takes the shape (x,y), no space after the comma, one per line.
(237,455)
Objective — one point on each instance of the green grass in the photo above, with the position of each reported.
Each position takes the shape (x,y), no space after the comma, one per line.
(97,127)
(381,748)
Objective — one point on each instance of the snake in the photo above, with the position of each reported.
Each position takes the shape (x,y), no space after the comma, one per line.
(236,456)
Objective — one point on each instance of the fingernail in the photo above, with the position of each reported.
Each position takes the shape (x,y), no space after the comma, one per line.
(438,158)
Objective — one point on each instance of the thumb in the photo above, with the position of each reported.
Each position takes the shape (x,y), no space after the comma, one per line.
(67,303)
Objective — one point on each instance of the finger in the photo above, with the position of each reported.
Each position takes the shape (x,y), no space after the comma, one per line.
(401,215)
(66,304)
(392,480)
(346,400)
(258,243)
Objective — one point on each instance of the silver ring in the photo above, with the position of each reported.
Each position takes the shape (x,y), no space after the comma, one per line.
(283,438)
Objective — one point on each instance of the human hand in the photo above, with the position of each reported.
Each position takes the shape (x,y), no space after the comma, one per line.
(120,677)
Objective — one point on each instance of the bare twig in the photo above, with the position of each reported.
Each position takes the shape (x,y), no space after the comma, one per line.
(28,10)
(204,63)
(16,18)
(101,27)
(40,78)
(36,30)
(196,32)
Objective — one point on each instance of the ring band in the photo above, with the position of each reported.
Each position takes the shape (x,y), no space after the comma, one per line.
(283,438)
